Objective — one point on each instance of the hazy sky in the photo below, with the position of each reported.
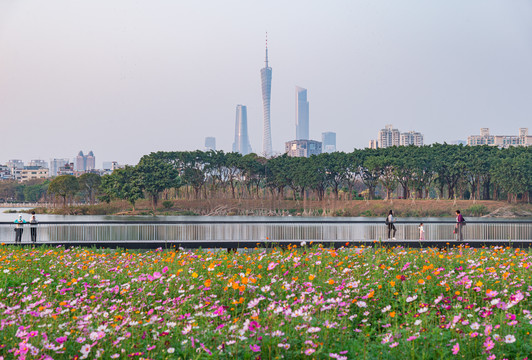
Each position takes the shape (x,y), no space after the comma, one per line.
(127,77)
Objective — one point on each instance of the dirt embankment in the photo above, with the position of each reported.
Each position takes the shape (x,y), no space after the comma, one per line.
(252,207)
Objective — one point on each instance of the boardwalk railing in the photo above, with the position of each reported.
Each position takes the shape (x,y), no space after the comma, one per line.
(264,231)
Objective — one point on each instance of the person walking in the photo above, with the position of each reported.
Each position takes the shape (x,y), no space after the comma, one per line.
(421,232)
(460,222)
(389,221)
(18,229)
(33,227)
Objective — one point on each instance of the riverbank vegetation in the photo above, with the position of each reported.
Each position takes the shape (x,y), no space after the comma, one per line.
(171,179)
(296,303)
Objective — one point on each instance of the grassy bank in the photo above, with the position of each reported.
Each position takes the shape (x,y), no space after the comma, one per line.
(247,207)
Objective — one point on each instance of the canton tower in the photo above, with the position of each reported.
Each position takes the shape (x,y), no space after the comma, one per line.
(266,78)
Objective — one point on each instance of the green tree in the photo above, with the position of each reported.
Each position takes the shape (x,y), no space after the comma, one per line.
(156,176)
(124,184)
(64,186)
(89,184)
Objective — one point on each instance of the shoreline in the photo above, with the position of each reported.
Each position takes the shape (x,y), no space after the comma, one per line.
(326,208)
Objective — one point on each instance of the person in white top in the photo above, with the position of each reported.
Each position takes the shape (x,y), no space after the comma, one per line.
(389,221)
(421,232)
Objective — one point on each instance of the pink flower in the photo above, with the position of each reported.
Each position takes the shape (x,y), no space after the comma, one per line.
(489,344)
(254,348)
(165,269)
(272,266)
(456,348)
(394,344)
(309,351)
(156,275)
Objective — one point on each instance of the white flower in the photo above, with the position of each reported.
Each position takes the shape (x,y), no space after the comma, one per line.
(170,350)
(509,339)
(411,298)
(361,304)
(475,326)
(313,330)
(386,308)
(303,243)
(417,322)
(423,310)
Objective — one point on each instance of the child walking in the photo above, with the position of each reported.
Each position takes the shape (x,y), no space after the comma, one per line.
(421,232)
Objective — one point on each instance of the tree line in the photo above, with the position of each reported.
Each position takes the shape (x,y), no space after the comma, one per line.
(439,170)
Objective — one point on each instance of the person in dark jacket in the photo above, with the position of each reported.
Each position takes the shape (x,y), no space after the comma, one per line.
(458,227)
(389,221)
(33,227)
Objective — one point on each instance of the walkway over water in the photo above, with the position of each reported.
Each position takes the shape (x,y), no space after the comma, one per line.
(266,233)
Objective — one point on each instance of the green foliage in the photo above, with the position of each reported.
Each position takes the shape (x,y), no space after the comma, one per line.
(476,210)
(168,204)
(64,186)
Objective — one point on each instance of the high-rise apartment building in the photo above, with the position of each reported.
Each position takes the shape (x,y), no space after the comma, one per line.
(55,164)
(411,138)
(84,163)
(504,141)
(389,137)
(303,148)
(210,143)
(79,162)
(90,161)
(302,114)
(328,140)
(393,137)
(266,80)
(241,144)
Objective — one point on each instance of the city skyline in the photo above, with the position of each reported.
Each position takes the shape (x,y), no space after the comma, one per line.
(154,76)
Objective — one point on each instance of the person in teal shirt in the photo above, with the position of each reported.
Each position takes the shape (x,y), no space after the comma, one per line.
(18,229)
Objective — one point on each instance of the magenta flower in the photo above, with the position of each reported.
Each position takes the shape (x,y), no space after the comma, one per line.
(61,339)
(254,348)
(165,269)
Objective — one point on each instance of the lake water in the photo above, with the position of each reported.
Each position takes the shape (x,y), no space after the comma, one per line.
(240,228)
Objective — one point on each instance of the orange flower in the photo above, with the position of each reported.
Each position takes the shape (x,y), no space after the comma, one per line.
(207,283)
(421,281)
(331,281)
(392,314)
(392,283)
(311,277)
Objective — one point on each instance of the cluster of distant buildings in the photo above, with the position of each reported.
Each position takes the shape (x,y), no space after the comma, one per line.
(389,137)
(301,146)
(503,141)
(39,169)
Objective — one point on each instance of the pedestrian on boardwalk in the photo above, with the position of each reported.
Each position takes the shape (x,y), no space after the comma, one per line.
(18,229)
(389,222)
(33,227)
(421,232)
(460,222)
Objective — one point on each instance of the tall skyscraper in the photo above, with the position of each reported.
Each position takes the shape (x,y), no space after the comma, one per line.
(210,143)
(266,79)
(241,143)
(90,161)
(302,132)
(328,140)
(79,162)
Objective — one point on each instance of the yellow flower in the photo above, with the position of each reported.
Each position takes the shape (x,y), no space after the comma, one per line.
(194,275)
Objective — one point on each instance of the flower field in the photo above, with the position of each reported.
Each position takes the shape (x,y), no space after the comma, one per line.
(296,303)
